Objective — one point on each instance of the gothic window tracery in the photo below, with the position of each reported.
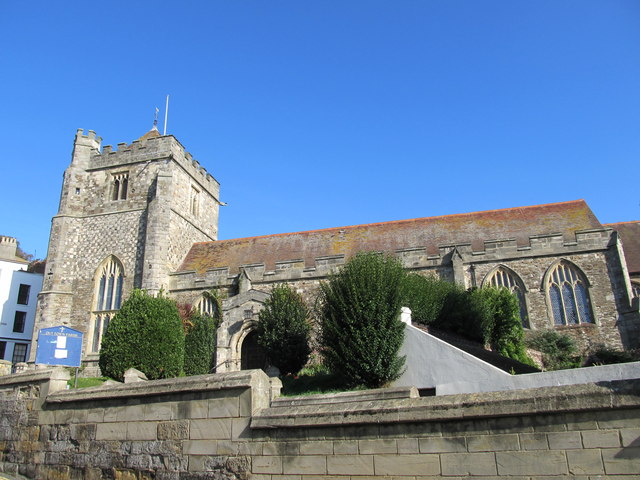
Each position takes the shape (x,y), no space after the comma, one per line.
(568,295)
(107,297)
(207,305)
(635,289)
(504,277)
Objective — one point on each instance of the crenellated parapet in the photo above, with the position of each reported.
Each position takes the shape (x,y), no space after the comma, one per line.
(144,150)
(416,258)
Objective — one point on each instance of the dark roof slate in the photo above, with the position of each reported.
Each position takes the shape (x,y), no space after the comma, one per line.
(430,233)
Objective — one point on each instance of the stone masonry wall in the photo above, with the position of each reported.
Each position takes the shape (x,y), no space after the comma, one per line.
(222,426)
(593,252)
(149,231)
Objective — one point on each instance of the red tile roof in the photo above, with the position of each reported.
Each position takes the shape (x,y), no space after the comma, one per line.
(430,232)
(630,235)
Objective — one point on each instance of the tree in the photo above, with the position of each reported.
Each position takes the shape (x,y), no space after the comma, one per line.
(146,334)
(284,330)
(200,336)
(507,334)
(361,332)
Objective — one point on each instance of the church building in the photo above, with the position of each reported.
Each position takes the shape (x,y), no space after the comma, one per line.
(145,215)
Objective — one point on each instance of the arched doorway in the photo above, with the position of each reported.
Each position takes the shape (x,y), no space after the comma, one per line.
(252,355)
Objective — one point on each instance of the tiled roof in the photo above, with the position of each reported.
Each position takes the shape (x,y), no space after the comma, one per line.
(429,233)
(630,235)
(153,133)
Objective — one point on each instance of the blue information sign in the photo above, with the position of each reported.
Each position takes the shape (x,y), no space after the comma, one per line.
(59,346)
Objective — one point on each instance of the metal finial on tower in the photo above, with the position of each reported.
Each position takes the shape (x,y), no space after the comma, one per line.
(155,120)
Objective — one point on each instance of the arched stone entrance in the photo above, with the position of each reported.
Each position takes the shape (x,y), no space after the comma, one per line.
(252,355)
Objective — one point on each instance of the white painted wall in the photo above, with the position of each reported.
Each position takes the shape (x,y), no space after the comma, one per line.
(433,363)
(12,274)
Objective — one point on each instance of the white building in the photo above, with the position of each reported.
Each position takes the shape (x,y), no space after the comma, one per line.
(18,298)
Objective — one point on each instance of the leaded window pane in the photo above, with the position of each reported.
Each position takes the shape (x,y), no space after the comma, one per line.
(582,299)
(100,302)
(96,333)
(569,304)
(556,305)
(118,300)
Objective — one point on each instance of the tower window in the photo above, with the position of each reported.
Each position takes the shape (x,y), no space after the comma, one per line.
(119,186)
(568,295)
(108,297)
(18,322)
(23,294)
(194,203)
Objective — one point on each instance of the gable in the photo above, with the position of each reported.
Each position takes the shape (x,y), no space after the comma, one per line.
(630,235)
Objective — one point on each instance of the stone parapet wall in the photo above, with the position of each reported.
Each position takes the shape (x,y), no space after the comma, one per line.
(222,427)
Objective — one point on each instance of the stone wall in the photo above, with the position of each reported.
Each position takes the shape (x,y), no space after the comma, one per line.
(594,252)
(149,230)
(223,426)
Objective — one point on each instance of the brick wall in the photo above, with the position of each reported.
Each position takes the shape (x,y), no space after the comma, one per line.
(223,427)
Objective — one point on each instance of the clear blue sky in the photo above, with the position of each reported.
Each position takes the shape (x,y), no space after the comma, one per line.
(314,114)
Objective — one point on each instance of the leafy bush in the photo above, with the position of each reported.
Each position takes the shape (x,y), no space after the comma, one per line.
(507,334)
(200,344)
(361,332)
(200,336)
(425,296)
(284,330)
(466,313)
(558,350)
(603,355)
(146,334)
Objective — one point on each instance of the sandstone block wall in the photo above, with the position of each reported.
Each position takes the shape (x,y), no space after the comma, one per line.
(223,427)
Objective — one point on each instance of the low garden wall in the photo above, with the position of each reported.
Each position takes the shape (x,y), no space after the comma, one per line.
(226,426)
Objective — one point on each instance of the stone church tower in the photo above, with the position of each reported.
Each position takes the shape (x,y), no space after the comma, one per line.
(127,218)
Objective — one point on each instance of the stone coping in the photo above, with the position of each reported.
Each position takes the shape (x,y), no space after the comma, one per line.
(254,379)
(35,376)
(322,410)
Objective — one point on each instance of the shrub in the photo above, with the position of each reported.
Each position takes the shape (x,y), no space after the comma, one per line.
(200,344)
(284,330)
(361,332)
(507,334)
(603,355)
(558,351)
(425,296)
(466,313)
(200,336)
(146,334)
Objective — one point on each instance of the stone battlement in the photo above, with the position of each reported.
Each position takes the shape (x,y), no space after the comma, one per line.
(412,258)
(143,150)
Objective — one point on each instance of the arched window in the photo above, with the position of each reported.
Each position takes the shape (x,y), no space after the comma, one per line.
(635,289)
(568,295)
(107,298)
(207,305)
(504,277)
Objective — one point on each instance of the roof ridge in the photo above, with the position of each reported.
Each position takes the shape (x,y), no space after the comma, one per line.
(407,220)
(620,223)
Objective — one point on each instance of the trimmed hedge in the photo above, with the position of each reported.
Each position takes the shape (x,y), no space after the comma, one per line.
(284,330)
(146,334)
(361,332)
(200,344)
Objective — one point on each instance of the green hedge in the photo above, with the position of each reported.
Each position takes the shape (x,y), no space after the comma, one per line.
(284,330)
(146,334)
(361,332)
